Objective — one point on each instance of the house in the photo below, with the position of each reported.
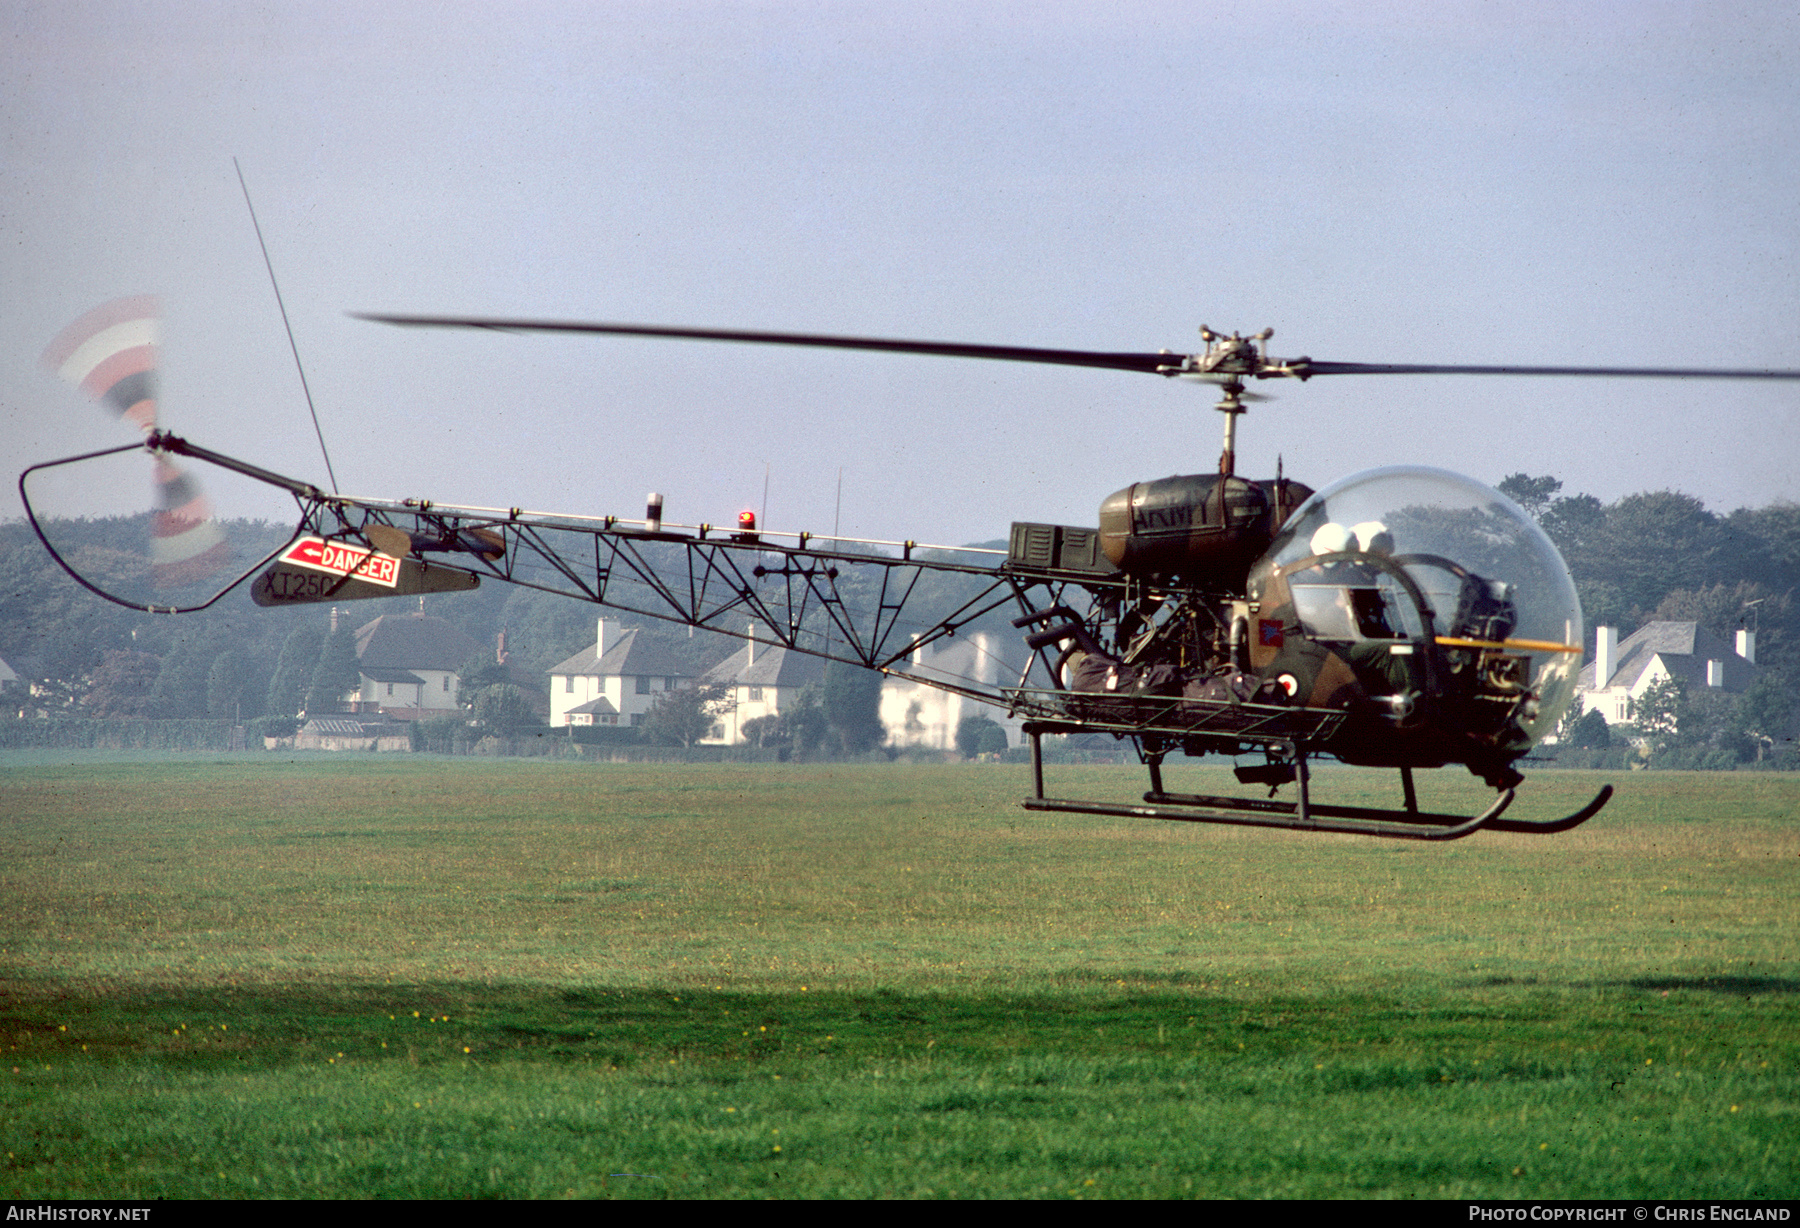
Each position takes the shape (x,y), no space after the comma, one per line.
(615,681)
(408,665)
(1622,671)
(761,681)
(922,716)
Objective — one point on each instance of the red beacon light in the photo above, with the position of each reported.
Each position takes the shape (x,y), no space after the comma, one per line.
(747,528)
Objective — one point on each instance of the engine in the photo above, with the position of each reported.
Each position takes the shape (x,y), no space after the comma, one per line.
(1203,530)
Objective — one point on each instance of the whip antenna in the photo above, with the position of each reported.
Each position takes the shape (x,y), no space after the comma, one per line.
(268,264)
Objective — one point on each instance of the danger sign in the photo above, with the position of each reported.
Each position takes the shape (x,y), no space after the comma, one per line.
(343,559)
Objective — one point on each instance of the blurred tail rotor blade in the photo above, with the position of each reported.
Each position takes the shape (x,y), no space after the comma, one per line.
(176,556)
(186,543)
(110,354)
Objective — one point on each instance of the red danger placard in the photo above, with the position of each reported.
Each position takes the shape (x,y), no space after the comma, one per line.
(343,559)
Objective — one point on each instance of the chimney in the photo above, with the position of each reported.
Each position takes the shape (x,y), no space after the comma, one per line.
(1746,644)
(750,649)
(1606,655)
(1715,673)
(601,636)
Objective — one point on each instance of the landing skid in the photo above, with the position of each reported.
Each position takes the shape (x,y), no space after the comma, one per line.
(1409,823)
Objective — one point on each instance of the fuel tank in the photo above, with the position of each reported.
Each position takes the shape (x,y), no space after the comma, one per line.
(1205,528)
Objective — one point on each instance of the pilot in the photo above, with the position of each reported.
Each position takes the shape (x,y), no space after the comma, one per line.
(1368,605)
(1356,618)
(1361,611)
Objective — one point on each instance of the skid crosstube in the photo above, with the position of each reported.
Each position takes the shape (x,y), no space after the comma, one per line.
(1303,814)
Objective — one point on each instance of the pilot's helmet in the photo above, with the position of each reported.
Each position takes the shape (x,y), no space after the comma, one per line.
(1373,537)
(1333,538)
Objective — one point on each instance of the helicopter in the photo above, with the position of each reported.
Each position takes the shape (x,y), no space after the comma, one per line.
(1402,618)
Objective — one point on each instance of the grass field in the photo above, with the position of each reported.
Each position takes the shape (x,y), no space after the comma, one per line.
(349,976)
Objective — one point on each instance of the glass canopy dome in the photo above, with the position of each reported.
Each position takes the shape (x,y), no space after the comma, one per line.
(1484,570)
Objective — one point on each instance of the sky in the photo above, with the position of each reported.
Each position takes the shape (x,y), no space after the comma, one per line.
(1378,182)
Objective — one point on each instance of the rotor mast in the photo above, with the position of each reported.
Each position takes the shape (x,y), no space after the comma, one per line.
(1231,404)
(1226,361)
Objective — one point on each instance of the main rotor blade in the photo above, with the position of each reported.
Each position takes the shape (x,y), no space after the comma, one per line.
(1162,362)
(1148,363)
(1314,367)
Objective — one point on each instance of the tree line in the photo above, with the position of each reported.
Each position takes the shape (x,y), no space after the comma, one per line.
(1649,556)
(1662,556)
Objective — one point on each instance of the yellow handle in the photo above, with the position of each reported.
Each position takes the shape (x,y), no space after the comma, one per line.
(1451,641)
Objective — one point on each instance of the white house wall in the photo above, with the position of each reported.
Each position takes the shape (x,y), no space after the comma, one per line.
(1614,703)
(436,690)
(571,691)
(728,727)
(442,686)
(916,715)
(620,690)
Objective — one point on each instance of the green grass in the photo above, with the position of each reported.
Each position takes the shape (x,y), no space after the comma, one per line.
(398,976)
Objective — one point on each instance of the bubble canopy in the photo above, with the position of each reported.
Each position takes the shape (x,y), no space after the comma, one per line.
(1443,529)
